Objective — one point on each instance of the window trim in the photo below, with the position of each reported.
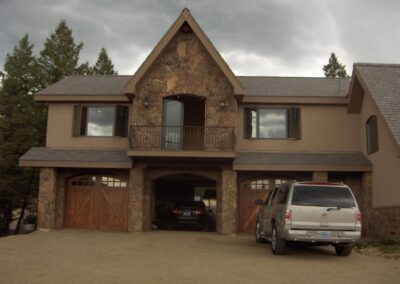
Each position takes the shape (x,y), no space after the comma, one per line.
(288,122)
(79,122)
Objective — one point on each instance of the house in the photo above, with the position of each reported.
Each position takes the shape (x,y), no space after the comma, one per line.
(121,149)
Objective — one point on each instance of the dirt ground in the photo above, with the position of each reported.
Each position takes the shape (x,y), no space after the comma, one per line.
(76,256)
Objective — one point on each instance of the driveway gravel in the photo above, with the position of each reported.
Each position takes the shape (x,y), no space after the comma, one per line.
(78,256)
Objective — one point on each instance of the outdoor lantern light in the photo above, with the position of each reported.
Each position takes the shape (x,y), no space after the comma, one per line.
(146,103)
(222,104)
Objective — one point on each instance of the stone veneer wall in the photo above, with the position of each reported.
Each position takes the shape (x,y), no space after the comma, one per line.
(47,199)
(184,67)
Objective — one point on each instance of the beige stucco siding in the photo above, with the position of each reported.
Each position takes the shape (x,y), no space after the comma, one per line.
(386,162)
(59,131)
(323,128)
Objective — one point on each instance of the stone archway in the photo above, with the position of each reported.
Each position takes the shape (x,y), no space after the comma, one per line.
(140,197)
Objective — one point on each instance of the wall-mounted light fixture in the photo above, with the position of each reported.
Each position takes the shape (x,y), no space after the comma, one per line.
(146,102)
(222,104)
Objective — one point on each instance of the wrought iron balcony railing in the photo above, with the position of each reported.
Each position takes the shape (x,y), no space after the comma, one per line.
(210,138)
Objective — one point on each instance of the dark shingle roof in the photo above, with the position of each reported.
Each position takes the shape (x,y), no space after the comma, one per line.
(88,85)
(383,83)
(303,158)
(75,155)
(295,86)
(254,86)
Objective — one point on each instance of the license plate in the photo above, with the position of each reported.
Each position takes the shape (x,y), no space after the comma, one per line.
(324,234)
(186,213)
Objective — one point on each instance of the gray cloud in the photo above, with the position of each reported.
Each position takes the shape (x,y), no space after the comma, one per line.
(275,37)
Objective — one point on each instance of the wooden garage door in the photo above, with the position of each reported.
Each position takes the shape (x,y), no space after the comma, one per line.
(250,191)
(97,202)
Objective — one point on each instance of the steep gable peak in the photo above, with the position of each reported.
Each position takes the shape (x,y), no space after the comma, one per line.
(186,23)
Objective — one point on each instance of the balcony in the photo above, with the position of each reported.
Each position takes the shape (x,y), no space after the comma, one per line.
(182,141)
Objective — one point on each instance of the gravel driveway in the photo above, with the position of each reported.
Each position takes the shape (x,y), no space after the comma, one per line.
(75,256)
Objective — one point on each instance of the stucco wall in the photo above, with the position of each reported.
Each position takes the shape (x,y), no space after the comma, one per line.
(386,162)
(59,131)
(323,128)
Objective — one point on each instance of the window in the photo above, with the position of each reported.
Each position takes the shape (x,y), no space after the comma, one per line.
(112,182)
(101,120)
(84,181)
(282,195)
(272,123)
(323,196)
(372,134)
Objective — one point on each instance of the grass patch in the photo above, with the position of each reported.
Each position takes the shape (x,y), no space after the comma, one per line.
(389,247)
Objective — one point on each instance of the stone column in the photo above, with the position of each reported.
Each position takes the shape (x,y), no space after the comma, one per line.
(47,199)
(320,176)
(366,204)
(228,202)
(136,191)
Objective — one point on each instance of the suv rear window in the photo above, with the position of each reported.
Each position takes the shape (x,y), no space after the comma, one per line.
(324,196)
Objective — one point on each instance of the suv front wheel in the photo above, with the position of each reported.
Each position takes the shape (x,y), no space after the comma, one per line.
(278,244)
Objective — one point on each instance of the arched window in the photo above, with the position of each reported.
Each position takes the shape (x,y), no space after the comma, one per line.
(371,129)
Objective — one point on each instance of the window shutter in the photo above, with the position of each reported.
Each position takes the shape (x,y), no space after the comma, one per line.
(121,122)
(294,123)
(83,121)
(77,120)
(247,123)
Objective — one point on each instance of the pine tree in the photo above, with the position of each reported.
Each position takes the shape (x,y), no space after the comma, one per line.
(22,125)
(334,68)
(60,55)
(103,64)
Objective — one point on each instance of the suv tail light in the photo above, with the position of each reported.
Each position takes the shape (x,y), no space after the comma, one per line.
(199,212)
(358,218)
(288,216)
(176,211)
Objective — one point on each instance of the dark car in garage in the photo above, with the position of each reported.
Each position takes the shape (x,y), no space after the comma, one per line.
(189,214)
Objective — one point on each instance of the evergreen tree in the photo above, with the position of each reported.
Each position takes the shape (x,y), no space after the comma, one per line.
(334,68)
(103,64)
(60,55)
(22,125)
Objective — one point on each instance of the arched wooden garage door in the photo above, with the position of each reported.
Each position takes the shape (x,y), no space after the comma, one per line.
(249,191)
(97,202)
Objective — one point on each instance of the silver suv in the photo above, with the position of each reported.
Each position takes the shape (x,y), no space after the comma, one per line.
(309,212)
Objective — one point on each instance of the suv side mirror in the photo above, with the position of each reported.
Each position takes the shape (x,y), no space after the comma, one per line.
(259,202)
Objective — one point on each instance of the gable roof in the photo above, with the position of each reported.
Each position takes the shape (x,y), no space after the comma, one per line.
(383,84)
(253,86)
(185,16)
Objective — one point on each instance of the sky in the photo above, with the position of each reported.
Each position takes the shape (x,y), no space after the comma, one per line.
(264,37)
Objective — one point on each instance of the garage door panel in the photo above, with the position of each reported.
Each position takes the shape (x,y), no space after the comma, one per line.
(97,204)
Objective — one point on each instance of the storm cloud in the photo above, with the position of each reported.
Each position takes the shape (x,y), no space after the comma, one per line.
(274,37)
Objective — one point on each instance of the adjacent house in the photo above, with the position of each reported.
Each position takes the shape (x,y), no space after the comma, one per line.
(121,149)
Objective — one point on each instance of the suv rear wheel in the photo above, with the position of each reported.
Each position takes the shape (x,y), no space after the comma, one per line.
(259,239)
(278,244)
(343,250)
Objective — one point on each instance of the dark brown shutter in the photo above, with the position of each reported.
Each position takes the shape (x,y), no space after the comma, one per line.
(76,124)
(294,123)
(247,122)
(121,122)
(83,121)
